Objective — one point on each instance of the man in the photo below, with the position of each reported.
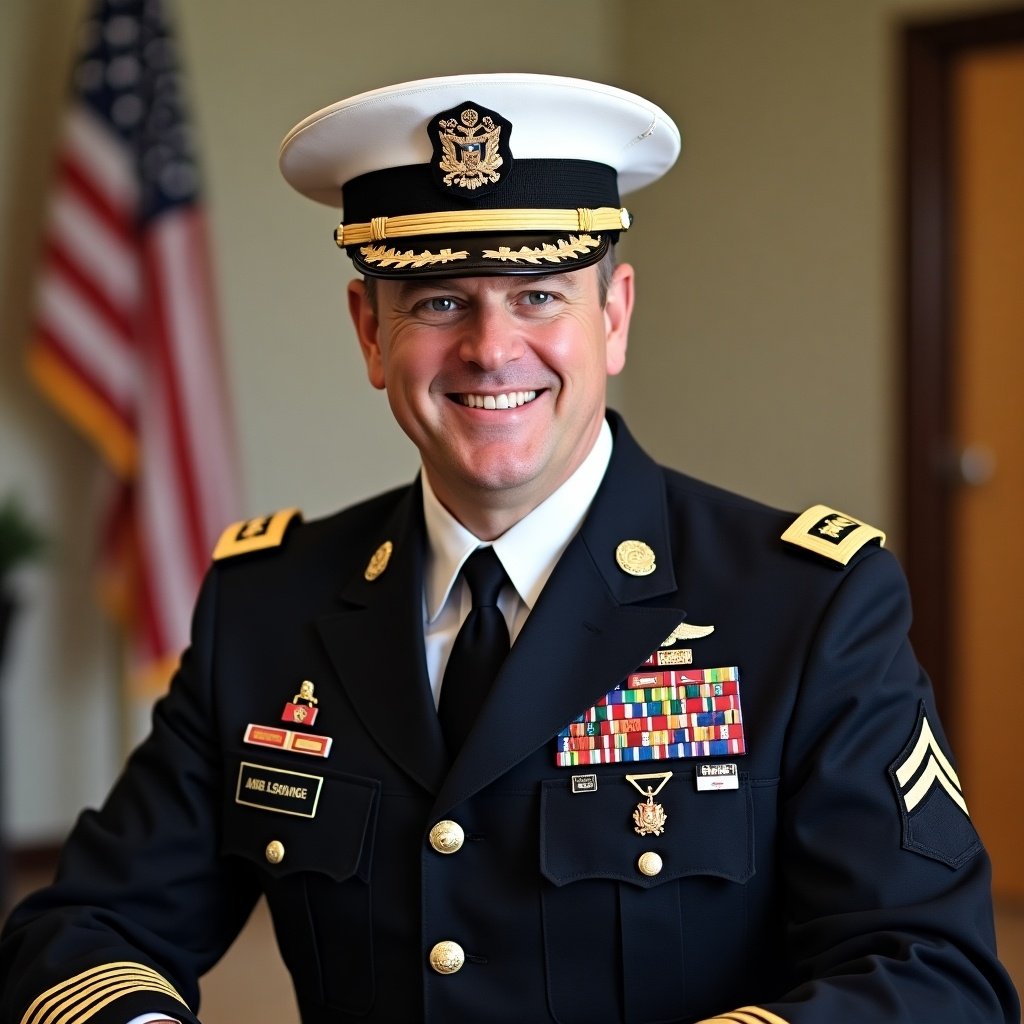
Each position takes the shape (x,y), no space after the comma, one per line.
(554,733)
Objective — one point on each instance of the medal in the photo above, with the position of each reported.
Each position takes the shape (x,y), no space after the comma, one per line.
(649,818)
(301,709)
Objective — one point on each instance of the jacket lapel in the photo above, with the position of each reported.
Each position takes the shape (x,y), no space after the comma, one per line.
(380,632)
(593,624)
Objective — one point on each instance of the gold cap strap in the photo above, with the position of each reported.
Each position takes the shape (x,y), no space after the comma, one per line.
(605,218)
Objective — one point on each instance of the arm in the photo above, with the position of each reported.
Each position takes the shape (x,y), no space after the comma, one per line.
(887,885)
(142,904)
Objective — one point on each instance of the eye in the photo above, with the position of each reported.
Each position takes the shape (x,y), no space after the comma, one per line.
(538,298)
(440,304)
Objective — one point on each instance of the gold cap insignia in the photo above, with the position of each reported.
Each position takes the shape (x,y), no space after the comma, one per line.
(830,533)
(635,557)
(379,561)
(470,146)
(255,534)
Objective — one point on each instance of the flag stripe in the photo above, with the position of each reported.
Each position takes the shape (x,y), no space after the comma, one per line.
(66,314)
(55,374)
(126,339)
(185,273)
(99,254)
(119,318)
(103,160)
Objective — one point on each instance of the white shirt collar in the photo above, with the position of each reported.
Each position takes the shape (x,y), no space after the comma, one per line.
(529,550)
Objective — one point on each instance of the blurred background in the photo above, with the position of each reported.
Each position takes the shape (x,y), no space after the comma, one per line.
(804,318)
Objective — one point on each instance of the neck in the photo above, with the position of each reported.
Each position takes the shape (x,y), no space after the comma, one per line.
(480,515)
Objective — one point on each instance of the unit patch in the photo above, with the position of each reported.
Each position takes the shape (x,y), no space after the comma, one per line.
(274,789)
(831,534)
(931,802)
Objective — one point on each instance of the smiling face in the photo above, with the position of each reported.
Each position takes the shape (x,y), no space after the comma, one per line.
(499,381)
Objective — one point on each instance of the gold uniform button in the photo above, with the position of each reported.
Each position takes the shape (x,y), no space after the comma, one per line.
(447,957)
(650,864)
(447,837)
(274,851)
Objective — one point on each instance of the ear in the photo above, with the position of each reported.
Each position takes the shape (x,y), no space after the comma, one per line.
(364,319)
(618,309)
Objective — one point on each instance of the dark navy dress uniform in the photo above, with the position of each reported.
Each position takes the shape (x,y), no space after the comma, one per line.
(840,880)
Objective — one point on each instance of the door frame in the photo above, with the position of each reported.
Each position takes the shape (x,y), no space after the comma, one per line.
(930,50)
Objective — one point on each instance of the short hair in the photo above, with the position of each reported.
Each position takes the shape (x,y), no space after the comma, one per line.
(605,270)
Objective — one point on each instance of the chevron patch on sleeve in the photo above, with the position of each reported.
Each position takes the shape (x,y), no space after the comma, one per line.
(936,822)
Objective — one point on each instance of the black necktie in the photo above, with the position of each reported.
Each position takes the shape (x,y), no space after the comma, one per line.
(479,649)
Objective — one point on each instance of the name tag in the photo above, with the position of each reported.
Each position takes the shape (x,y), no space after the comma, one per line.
(713,777)
(274,789)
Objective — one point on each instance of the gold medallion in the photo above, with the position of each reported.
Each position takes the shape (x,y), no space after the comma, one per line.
(379,562)
(635,557)
(649,818)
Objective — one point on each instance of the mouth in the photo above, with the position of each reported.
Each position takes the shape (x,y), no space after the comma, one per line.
(508,400)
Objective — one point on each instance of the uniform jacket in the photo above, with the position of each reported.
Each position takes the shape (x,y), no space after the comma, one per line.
(817,890)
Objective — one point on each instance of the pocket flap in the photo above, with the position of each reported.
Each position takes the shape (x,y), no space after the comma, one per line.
(286,821)
(592,835)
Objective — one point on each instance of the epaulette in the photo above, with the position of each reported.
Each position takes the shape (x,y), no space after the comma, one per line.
(831,534)
(255,534)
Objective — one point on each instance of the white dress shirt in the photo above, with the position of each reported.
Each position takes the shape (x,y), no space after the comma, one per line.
(528,551)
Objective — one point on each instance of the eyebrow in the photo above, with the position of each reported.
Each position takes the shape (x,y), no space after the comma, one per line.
(411,286)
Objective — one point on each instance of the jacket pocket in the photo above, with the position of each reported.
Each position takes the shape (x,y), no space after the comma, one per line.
(637,899)
(309,835)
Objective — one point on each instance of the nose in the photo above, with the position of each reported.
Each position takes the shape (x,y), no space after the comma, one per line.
(491,337)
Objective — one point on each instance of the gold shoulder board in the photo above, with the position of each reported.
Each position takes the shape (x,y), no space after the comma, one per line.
(831,534)
(255,534)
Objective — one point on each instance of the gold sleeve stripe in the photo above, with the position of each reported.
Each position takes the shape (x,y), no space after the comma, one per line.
(746,1015)
(763,1015)
(604,218)
(77,999)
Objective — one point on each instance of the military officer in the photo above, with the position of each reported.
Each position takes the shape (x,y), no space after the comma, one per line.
(591,740)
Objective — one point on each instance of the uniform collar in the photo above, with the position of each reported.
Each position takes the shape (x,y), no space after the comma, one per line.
(529,550)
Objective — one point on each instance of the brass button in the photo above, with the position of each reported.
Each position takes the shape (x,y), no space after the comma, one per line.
(447,837)
(650,864)
(275,851)
(447,957)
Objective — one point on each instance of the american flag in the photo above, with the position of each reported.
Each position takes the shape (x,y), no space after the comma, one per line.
(126,341)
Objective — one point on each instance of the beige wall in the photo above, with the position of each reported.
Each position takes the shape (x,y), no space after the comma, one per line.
(764,351)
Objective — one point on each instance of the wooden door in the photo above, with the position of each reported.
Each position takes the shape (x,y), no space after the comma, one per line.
(963,531)
(988,428)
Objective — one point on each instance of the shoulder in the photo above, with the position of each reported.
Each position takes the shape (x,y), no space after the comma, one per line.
(260,533)
(831,534)
(820,535)
(286,534)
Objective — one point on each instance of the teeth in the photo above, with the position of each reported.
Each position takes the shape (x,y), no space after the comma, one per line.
(512,400)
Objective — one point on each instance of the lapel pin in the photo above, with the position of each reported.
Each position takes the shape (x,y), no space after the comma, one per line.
(379,561)
(635,557)
(301,708)
(686,631)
